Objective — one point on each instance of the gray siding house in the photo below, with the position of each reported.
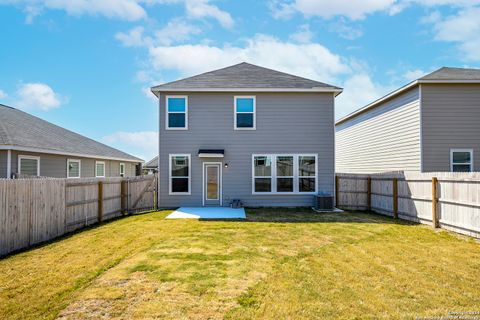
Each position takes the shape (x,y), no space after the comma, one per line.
(430,125)
(30,146)
(245,132)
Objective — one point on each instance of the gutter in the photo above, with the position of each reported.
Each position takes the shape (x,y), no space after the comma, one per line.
(48,151)
(156,91)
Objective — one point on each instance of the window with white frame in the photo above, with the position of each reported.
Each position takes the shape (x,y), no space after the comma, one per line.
(99,169)
(179,182)
(461,160)
(280,174)
(245,118)
(73,168)
(29,165)
(122,169)
(177,112)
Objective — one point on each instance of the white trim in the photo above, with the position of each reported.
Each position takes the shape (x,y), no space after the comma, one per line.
(274,176)
(104,169)
(211,155)
(79,168)
(235,112)
(124,169)
(157,91)
(21,156)
(220,181)
(81,155)
(452,151)
(170,156)
(9,164)
(167,127)
(448,81)
(421,125)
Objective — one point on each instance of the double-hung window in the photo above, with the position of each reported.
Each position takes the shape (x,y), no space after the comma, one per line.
(244,113)
(284,174)
(122,170)
(29,165)
(461,160)
(179,182)
(176,113)
(99,169)
(73,168)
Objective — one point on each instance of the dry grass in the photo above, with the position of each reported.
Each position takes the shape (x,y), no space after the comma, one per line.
(280,264)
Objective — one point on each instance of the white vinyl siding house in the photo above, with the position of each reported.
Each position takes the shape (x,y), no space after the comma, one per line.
(430,125)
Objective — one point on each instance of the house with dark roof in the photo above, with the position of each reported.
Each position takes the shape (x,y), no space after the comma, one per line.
(151,166)
(30,146)
(431,124)
(245,133)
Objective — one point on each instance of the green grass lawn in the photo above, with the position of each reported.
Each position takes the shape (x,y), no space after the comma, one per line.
(280,264)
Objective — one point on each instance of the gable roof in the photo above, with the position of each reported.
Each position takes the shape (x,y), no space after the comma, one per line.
(452,74)
(246,77)
(152,163)
(443,75)
(24,132)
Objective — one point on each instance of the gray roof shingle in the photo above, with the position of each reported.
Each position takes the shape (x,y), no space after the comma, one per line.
(21,129)
(447,73)
(244,75)
(152,163)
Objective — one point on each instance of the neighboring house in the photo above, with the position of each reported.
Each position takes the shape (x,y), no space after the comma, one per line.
(245,132)
(432,124)
(151,166)
(30,146)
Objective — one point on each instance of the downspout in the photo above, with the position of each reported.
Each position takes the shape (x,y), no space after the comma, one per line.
(9,164)
(158,158)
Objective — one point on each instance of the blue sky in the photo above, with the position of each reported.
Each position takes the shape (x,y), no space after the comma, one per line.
(87,65)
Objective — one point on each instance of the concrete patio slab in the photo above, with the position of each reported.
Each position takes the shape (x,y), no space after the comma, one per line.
(207,213)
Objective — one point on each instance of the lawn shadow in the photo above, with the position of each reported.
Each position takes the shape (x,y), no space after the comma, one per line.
(307,215)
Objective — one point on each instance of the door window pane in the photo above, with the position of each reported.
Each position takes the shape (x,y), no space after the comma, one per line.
(212,183)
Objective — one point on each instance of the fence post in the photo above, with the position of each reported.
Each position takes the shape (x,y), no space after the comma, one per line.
(122,195)
(395,198)
(435,223)
(100,201)
(337,191)
(369,193)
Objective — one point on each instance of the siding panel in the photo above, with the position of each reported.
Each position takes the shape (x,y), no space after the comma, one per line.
(286,123)
(386,138)
(450,119)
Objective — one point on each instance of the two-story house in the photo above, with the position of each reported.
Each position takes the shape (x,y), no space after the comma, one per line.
(245,132)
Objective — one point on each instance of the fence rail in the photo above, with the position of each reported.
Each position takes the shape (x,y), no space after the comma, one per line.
(37,210)
(446,200)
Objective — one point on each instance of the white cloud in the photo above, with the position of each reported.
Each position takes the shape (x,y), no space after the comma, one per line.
(411,75)
(344,30)
(303,35)
(129,10)
(37,96)
(133,38)
(140,142)
(307,59)
(462,28)
(359,91)
(202,9)
(175,31)
(3,95)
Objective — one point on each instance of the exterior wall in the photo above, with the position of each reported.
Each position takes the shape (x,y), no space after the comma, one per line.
(386,138)
(450,119)
(285,123)
(55,166)
(3,164)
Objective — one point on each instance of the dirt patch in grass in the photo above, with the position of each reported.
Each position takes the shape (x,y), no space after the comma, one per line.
(281,263)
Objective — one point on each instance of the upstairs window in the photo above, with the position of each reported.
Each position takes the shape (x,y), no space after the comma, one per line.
(245,113)
(73,168)
(99,169)
(177,113)
(461,160)
(29,165)
(122,170)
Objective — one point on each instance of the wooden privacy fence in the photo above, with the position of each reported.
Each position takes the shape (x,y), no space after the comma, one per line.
(446,200)
(37,210)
